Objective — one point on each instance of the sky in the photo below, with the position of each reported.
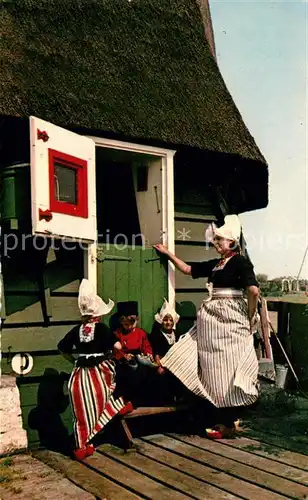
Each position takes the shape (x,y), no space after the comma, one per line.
(262,51)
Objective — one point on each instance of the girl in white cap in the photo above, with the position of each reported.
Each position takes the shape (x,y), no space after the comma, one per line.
(163,333)
(162,338)
(92,382)
(216,359)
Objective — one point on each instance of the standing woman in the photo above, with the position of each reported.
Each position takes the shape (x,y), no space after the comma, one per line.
(217,360)
(92,382)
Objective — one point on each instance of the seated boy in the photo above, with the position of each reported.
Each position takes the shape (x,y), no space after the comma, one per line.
(133,374)
(134,340)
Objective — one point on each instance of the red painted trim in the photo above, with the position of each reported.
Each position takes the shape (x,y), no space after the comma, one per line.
(81,167)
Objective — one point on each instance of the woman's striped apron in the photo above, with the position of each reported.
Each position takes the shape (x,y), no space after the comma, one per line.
(216,359)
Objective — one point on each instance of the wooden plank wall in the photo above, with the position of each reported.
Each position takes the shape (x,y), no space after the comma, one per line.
(193,212)
(36,316)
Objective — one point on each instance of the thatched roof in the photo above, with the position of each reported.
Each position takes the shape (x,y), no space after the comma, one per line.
(135,68)
(205,11)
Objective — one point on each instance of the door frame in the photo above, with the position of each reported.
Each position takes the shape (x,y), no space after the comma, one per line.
(166,156)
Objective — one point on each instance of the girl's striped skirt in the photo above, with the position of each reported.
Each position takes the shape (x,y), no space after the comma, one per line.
(92,401)
(216,359)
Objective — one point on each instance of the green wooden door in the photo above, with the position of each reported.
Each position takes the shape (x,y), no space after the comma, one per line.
(133,274)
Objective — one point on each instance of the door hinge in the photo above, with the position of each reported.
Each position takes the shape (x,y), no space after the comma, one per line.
(101,256)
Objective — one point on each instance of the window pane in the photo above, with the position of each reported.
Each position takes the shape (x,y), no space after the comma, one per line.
(65,184)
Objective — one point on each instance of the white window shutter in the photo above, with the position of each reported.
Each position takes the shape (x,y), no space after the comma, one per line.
(54,150)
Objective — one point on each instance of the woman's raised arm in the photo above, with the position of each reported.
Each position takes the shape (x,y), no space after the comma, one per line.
(179,264)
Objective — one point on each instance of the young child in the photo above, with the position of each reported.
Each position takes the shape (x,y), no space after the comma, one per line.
(162,338)
(133,339)
(163,333)
(132,374)
(92,382)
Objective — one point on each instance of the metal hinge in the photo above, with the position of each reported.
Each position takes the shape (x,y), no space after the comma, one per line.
(101,256)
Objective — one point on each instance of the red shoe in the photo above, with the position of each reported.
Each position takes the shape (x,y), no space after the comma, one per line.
(80,453)
(128,408)
(221,432)
(213,433)
(90,450)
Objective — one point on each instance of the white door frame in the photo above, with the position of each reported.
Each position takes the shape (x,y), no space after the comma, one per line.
(167,203)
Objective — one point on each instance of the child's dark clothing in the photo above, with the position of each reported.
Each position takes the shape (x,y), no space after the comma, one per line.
(161,341)
(168,388)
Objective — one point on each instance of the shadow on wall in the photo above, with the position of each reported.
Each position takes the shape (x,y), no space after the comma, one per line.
(45,418)
(27,274)
(114,322)
(188,312)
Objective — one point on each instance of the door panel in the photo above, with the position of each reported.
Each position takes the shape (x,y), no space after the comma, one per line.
(133,274)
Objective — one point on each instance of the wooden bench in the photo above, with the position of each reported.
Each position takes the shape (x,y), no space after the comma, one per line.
(144,412)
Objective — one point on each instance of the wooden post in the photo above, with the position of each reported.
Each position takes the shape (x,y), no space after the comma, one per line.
(127,433)
(265,329)
(283,325)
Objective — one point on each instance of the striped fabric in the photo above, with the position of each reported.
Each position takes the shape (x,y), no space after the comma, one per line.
(91,395)
(216,359)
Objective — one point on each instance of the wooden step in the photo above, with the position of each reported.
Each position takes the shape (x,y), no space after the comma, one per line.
(144,411)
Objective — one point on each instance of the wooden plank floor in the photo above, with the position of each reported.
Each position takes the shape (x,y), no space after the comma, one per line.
(254,466)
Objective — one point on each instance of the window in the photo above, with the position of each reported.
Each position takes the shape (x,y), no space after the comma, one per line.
(65,184)
(68,184)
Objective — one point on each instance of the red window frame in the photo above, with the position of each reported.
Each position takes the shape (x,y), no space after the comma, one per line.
(81,168)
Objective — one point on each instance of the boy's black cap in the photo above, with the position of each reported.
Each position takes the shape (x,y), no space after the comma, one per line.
(129,308)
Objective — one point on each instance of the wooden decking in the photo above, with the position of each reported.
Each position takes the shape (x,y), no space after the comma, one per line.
(256,465)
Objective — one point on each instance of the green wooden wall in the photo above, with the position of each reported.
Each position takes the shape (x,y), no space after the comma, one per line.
(41,289)
(194,210)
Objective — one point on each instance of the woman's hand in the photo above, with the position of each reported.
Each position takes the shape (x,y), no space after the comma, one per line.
(161,248)
(253,322)
(253,297)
